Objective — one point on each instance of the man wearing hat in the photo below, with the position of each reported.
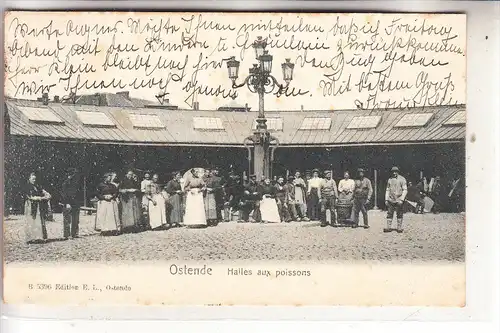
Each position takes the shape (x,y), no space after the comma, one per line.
(395,195)
(329,196)
(71,209)
(233,192)
(362,194)
(218,186)
(251,200)
(281,199)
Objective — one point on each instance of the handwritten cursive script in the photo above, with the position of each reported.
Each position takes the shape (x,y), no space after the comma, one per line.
(356,60)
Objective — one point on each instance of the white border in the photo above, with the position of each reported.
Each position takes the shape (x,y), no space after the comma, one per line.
(482,198)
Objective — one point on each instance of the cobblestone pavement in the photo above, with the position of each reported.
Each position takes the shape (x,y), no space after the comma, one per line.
(426,238)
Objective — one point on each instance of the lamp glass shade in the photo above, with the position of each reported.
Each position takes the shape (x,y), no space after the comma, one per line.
(259,46)
(287,68)
(267,62)
(233,67)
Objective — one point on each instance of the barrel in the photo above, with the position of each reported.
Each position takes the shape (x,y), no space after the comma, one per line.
(235,215)
(344,212)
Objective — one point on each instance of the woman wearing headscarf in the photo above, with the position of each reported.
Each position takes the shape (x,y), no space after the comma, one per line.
(108,216)
(130,205)
(156,205)
(268,206)
(35,209)
(174,203)
(195,209)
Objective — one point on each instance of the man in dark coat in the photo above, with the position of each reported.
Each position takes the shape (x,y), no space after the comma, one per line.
(251,200)
(218,187)
(71,209)
(233,191)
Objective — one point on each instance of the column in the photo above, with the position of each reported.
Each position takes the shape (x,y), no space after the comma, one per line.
(259,165)
(375,189)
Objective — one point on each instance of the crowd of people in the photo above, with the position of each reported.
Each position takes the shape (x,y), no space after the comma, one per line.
(201,198)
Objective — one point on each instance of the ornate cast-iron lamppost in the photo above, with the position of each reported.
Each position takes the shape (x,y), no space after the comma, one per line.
(261,81)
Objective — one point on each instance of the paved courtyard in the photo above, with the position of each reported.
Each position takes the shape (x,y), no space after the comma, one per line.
(426,238)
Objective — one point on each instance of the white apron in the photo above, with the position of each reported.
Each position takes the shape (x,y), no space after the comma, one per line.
(269,210)
(157,213)
(195,209)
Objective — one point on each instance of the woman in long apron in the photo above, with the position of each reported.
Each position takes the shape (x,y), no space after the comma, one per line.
(156,206)
(194,216)
(130,205)
(268,206)
(108,216)
(174,203)
(209,200)
(35,209)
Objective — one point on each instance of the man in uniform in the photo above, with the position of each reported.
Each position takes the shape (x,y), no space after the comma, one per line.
(251,200)
(329,195)
(291,199)
(218,186)
(395,195)
(362,194)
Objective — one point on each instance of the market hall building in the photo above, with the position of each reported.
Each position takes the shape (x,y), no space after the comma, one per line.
(103,132)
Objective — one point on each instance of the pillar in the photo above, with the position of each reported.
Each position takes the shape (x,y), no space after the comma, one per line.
(375,189)
(261,161)
(85,191)
(261,149)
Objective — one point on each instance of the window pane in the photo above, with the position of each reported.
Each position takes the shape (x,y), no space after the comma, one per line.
(364,122)
(207,123)
(457,119)
(94,118)
(316,124)
(414,120)
(146,121)
(43,115)
(273,124)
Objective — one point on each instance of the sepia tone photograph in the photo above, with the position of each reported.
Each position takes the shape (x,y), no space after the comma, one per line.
(185,139)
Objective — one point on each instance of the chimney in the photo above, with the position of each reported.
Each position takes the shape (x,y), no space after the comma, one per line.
(72,97)
(167,101)
(97,99)
(246,107)
(196,106)
(56,99)
(125,94)
(45,99)
(302,108)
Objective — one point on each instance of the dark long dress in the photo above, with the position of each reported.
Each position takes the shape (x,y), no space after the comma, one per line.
(209,199)
(174,203)
(131,209)
(35,212)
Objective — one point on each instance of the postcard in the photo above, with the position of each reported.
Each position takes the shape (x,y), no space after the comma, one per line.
(235,158)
